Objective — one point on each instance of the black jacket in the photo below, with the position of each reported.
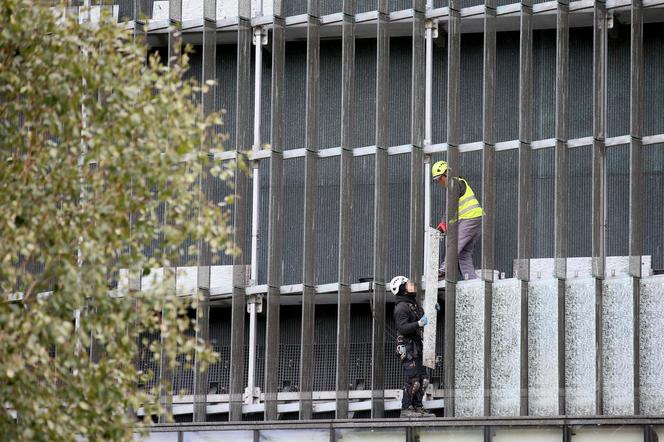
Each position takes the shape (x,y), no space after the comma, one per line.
(406,314)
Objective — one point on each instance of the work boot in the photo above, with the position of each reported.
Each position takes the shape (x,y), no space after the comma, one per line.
(409,413)
(423,412)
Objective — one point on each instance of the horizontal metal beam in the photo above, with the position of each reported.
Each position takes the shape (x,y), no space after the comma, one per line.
(401,423)
(403,149)
(160,26)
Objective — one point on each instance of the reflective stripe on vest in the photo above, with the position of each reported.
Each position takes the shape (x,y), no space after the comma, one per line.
(469,207)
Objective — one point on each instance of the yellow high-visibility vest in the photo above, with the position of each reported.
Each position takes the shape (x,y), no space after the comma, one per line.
(469,207)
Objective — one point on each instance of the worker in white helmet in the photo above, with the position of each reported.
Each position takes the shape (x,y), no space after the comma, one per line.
(469,218)
(410,320)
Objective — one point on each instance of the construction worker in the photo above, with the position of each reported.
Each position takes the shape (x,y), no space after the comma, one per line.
(469,218)
(410,319)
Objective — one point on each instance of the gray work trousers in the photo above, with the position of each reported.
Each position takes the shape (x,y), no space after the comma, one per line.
(470,231)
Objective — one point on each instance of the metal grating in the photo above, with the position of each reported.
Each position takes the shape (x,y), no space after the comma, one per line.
(145,360)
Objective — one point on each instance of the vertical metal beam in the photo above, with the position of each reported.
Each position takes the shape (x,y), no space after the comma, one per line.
(201,384)
(451,246)
(174,31)
(488,184)
(309,236)
(275,219)
(345,202)
(166,372)
(240,221)
(635,170)
(417,106)
(140,14)
(599,175)
(489,138)
(599,136)
(524,226)
(560,183)
(209,63)
(380,212)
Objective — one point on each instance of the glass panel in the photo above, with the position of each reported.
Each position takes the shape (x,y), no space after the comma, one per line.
(157,437)
(608,434)
(528,435)
(295,436)
(219,436)
(369,435)
(451,435)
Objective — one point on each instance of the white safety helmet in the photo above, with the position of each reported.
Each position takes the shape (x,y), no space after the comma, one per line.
(396,283)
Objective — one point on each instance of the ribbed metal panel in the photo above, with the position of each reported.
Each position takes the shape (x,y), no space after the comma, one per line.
(400,73)
(439,95)
(397,218)
(365,93)
(327,221)
(471,90)
(544,85)
(653,203)
(543,203)
(293,207)
(506,125)
(618,83)
(653,88)
(329,131)
(581,83)
(580,204)
(225,97)
(506,214)
(617,170)
(507,95)
(362,218)
(218,190)
(295,96)
(125,9)
(263,209)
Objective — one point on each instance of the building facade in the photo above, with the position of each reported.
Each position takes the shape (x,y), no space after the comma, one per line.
(551,110)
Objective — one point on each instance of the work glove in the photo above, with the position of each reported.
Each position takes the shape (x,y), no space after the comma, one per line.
(442,226)
(437,307)
(423,321)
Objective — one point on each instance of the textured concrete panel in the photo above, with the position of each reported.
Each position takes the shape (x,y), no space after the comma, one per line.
(469,349)
(650,345)
(579,267)
(505,347)
(542,344)
(580,378)
(431,247)
(192,9)
(617,346)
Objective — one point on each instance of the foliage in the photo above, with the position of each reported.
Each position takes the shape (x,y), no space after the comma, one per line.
(100,170)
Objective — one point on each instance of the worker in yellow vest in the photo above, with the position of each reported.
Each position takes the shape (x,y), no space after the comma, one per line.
(469,219)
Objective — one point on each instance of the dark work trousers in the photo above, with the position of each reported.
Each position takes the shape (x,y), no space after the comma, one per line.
(413,371)
(470,231)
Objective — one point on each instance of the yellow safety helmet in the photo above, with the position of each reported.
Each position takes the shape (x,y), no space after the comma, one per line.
(439,168)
